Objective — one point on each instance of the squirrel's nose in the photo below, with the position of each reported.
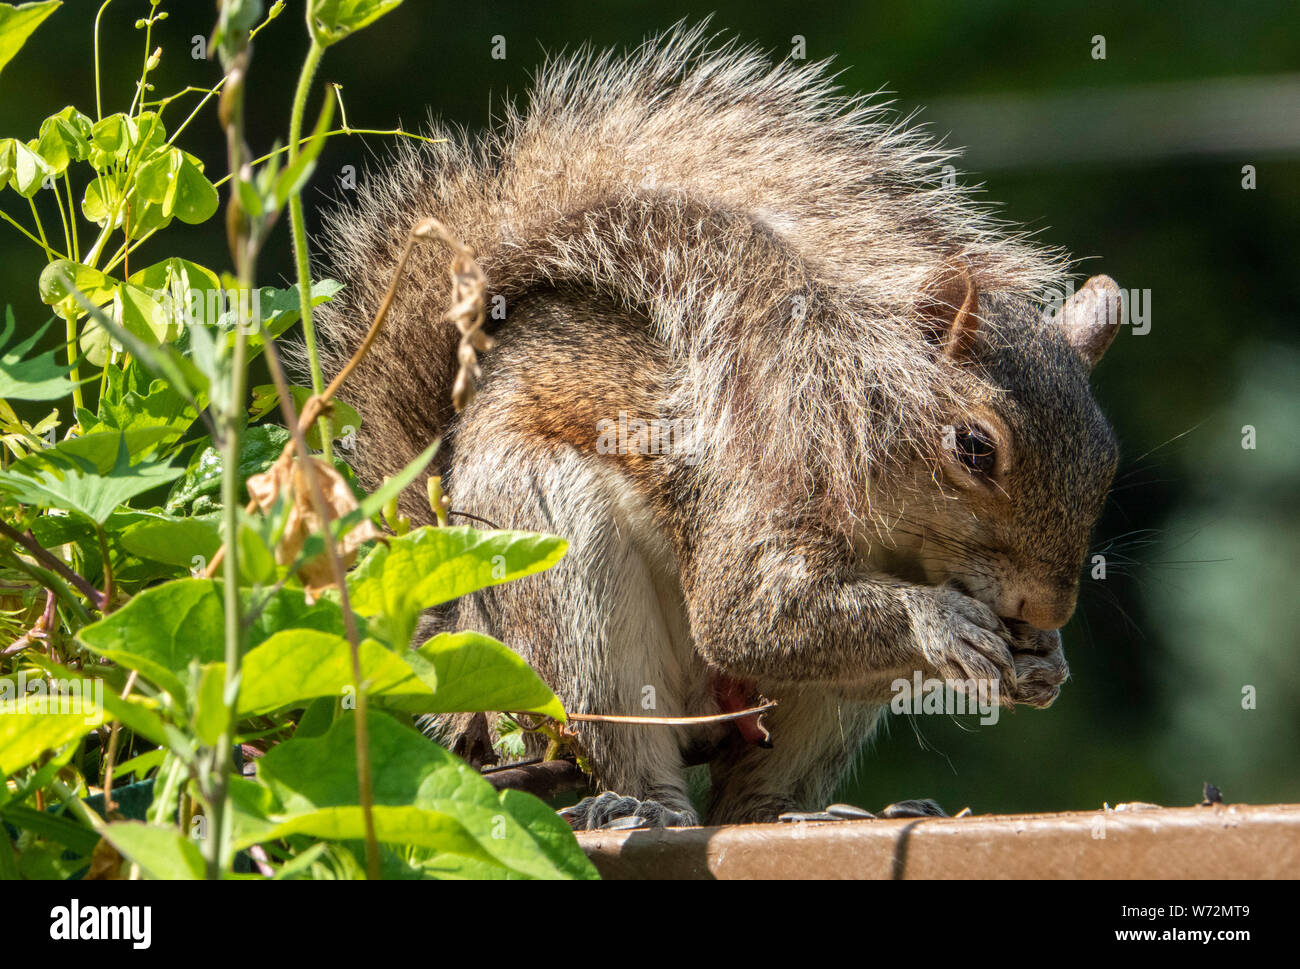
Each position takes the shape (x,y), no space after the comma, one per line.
(1047,609)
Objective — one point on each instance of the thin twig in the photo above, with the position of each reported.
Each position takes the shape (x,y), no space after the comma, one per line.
(40,631)
(59,568)
(673,721)
(543,780)
(476,518)
(111,754)
(315,405)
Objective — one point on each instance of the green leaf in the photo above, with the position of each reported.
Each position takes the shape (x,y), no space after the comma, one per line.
(176,272)
(160,630)
(21,166)
(196,198)
(142,313)
(550,832)
(423,796)
(53,826)
(162,407)
(403,825)
(149,135)
(32,724)
(429,566)
(165,627)
(60,278)
(111,139)
(174,180)
(88,475)
(250,199)
(333,20)
(282,308)
(316,718)
(24,736)
(162,853)
(102,198)
(295,666)
(97,345)
(472,673)
(17,24)
(164,361)
(40,377)
(142,764)
(256,561)
(211,713)
(137,713)
(172,541)
(15,793)
(64,138)
(258,449)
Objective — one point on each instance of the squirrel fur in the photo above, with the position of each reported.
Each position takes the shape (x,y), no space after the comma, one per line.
(884,456)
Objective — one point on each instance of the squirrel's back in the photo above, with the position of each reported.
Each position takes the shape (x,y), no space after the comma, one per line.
(714,195)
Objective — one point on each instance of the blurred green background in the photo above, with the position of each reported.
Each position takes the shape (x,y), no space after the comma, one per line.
(1133,162)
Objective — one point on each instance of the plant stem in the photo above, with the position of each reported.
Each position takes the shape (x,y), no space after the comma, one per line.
(49,253)
(208,92)
(107,563)
(99,110)
(386,132)
(322,508)
(222,760)
(243,251)
(111,755)
(169,774)
(58,201)
(78,399)
(299,229)
(78,807)
(135,244)
(10,219)
(72,214)
(144,71)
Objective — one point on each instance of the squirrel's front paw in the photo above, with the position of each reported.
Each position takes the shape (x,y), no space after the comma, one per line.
(962,639)
(1040,664)
(611,811)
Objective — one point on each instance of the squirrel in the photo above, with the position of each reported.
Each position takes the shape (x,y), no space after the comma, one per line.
(795,399)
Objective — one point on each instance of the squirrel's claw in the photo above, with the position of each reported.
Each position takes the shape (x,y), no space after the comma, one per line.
(610,812)
(918,808)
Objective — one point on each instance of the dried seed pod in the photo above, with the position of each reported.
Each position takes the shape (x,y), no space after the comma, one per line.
(287,478)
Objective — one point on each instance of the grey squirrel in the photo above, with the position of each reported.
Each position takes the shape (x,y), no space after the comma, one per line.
(790,394)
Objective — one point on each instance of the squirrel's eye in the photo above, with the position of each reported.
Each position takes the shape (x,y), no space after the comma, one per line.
(976,451)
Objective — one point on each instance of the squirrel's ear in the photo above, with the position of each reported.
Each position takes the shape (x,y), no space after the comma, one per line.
(1091,318)
(949,310)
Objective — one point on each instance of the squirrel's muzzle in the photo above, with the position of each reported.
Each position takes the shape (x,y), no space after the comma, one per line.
(1043,606)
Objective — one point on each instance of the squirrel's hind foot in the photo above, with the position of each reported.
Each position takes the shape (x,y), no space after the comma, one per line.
(610,811)
(917,808)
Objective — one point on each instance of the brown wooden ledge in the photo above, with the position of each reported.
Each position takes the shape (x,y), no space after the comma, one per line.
(1218,841)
